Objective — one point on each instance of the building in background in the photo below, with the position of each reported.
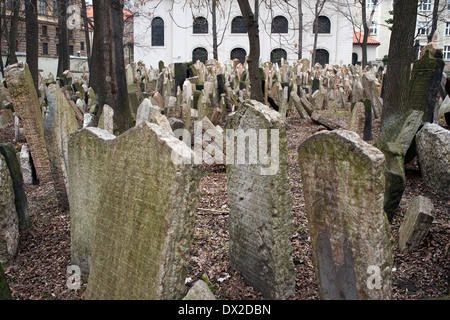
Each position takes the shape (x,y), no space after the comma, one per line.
(48,39)
(174,32)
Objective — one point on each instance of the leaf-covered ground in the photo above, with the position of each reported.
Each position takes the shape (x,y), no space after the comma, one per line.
(40,269)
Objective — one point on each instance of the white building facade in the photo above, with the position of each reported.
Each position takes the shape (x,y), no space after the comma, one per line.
(182,31)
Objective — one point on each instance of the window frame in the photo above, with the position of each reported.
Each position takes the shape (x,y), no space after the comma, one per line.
(204,50)
(200,26)
(285,28)
(241,25)
(446,52)
(235,50)
(278,61)
(161,40)
(425,5)
(319,25)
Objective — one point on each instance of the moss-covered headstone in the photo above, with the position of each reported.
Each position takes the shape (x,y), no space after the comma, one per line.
(259,197)
(343,186)
(5,293)
(424,85)
(142,208)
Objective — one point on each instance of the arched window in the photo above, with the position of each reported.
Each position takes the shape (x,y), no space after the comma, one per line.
(158,32)
(354,58)
(277,54)
(280,25)
(238,53)
(200,25)
(324,25)
(199,54)
(238,25)
(322,56)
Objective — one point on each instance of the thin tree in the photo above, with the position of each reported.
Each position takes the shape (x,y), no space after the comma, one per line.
(318,7)
(32,39)
(399,67)
(251,22)
(63,37)
(300,29)
(12,36)
(107,74)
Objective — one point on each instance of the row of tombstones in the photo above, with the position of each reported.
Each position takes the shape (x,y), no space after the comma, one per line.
(260,236)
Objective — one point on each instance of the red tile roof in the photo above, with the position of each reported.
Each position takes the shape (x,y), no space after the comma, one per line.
(358,36)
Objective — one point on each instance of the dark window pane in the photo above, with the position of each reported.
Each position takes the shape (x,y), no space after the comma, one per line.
(239,54)
(324,25)
(45,48)
(238,25)
(200,25)
(277,54)
(280,25)
(322,57)
(199,54)
(158,32)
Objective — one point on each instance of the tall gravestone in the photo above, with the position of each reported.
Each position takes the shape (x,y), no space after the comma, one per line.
(425,81)
(343,187)
(59,122)
(433,154)
(86,163)
(20,198)
(27,107)
(144,219)
(260,222)
(9,221)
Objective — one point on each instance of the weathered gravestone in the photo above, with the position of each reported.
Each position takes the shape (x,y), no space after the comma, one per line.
(146,111)
(343,186)
(394,143)
(87,151)
(27,107)
(5,293)
(260,202)
(144,199)
(424,84)
(416,223)
(26,166)
(20,198)
(59,122)
(433,154)
(9,221)
(357,119)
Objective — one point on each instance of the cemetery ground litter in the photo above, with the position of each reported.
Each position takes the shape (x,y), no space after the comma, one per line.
(40,269)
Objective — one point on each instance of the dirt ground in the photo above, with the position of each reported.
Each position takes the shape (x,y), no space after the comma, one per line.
(40,269)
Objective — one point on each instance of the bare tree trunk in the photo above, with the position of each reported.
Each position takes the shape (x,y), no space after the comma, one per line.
(434,20)
(214,29)
(12,58)
(300,29)
(86,32)
(399,66)
(251,22)
(107,74)
(366,33)
(32,39)
(64,54)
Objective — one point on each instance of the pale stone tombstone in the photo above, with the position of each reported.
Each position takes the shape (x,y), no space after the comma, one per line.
(146,111)
(144,215)
(343,187)
(106,120)
(9,221)
(59,122)
(86,164)
(260,201)
(28,109)
(433,154)
(416,224)
(357,119)
(26,166)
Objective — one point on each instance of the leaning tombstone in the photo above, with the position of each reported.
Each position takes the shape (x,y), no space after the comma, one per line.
(5,292)
(343,187)
(106,120)
(433,155)
(425,81)
(28,109)
(26,166)
(416,224)
(86,164)
(20,198)
(260,201)
(9,221)
(59,122)
(144,225)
